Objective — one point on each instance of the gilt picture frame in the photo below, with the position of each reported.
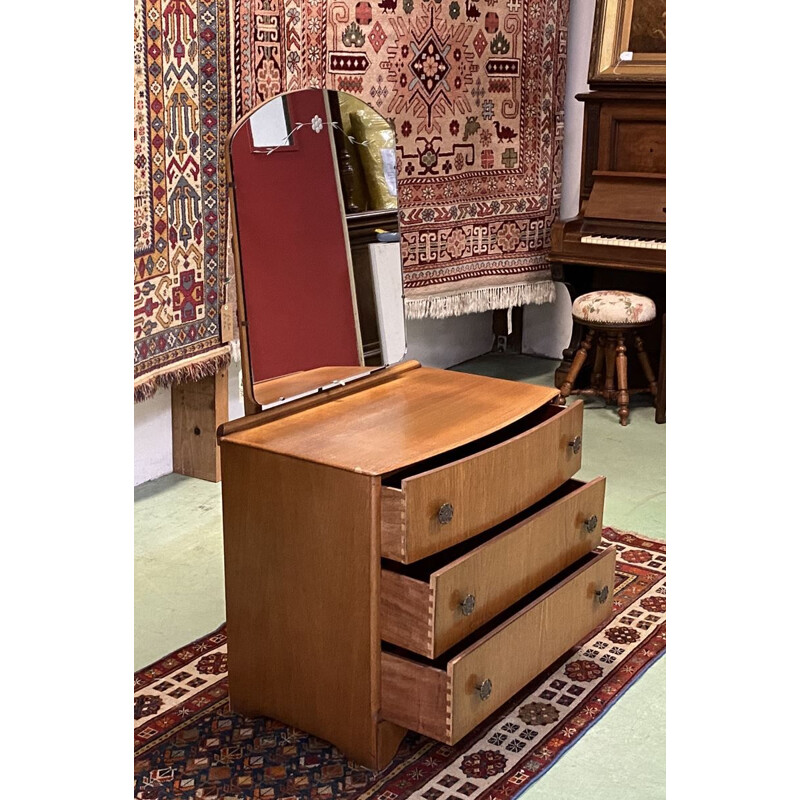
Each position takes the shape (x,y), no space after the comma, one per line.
(629,42)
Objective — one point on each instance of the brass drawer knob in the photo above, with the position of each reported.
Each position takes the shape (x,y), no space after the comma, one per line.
(484,689)
(575,445)
(601,594)
(590,524)
(467,605)
(445,514)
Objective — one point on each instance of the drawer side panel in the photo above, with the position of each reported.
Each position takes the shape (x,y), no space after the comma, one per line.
(415,696)
(393,524)
(407,613)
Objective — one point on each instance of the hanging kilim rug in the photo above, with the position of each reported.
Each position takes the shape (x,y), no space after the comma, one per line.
(188,743)
(476,93)
(181,119)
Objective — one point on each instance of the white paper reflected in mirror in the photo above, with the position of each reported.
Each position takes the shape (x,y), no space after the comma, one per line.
(269,126)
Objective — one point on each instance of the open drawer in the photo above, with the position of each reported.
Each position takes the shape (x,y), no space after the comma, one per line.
(429,606)
(446,698)
(479,486)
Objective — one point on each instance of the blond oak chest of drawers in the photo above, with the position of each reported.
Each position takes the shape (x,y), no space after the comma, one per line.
(406,553)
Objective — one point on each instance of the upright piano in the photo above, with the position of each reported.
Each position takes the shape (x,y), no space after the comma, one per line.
(618,240)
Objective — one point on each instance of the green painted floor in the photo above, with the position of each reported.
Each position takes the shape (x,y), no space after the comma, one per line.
(179,593)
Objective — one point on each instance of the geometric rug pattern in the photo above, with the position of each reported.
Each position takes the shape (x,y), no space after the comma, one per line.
(189,744)
(476,94)
(181,118)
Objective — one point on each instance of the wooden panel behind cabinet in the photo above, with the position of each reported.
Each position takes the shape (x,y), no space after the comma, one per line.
(198,408)
(301,582)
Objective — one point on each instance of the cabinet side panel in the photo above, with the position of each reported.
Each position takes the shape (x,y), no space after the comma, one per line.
(298,580)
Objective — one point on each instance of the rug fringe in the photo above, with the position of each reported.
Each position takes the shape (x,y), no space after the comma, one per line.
(473,301)
(194,370)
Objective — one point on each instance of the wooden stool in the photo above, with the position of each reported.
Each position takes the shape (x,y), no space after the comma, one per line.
(610,315)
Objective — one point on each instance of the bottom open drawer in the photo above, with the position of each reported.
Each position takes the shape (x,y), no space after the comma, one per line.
(447,697)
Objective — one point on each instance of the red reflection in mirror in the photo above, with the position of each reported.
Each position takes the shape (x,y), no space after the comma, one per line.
(292,247)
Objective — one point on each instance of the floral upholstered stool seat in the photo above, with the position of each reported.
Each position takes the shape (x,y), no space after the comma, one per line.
(610,316)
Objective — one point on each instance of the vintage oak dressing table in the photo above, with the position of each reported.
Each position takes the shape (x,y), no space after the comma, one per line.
(405,547)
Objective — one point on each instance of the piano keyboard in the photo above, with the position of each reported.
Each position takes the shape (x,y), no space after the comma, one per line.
(622,241)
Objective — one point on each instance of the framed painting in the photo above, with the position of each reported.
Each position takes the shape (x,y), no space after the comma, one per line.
(629,42)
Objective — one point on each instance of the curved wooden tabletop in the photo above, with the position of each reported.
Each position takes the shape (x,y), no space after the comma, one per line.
(421,413)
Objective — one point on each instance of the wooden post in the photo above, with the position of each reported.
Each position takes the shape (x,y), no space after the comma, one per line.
(510,342)
(661,394)
(198,408)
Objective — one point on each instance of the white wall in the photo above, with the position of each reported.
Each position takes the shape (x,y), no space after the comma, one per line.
(547,329)
(579,42)
(152,437)
(445,342)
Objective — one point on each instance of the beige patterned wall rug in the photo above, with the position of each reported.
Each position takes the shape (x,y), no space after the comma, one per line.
(181,118)
(476,93)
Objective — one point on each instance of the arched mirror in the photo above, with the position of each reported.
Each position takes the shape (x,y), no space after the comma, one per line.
(317,244)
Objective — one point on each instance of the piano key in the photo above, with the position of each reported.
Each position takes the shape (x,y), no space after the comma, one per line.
(625,241)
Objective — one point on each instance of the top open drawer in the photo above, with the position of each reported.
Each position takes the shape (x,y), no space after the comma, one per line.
(442,503)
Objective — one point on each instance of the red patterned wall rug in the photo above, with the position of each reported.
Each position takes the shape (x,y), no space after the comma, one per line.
(476,92)
(188,743)
(181,118)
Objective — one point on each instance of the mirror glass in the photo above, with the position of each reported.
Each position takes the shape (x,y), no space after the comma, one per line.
(317,242)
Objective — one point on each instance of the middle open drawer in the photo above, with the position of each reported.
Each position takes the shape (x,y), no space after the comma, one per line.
(431,605)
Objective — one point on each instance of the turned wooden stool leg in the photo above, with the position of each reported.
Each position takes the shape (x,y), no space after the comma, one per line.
(597,371)
(622,380)
(580,358)
(645,362)
(608,388)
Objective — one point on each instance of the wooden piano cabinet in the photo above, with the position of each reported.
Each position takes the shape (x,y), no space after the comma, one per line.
(623,131)
(312,598)
(622,195)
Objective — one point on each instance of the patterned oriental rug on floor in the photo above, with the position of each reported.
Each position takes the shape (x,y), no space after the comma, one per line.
(476,93)
(188,743)
(181,118)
